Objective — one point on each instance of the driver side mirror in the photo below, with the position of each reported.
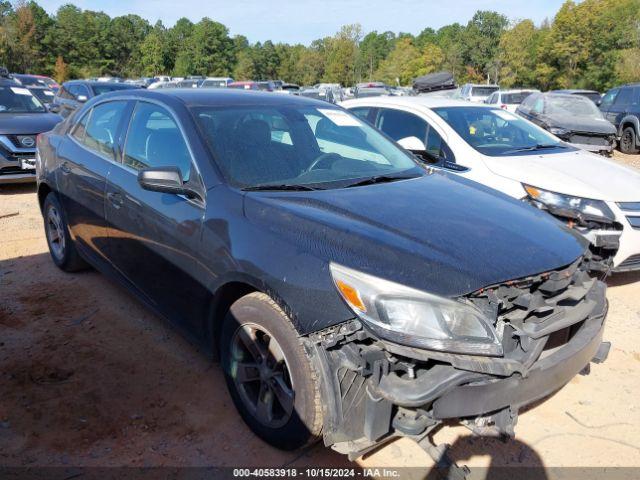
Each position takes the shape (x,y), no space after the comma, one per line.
(53,108)
(165,180)
(413,144)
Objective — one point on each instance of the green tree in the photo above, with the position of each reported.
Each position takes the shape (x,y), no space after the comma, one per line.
(373,49)
(153,52)
(481,40)
(211,49)
(342,53)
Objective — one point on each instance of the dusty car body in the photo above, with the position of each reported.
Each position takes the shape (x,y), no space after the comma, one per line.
(342,284)
(572,118)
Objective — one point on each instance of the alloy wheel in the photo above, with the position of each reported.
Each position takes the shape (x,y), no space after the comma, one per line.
(260,372)
(55,232)
(626,141)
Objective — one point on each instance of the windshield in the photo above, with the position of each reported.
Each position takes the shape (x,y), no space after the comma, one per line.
(43,94)
(572,105)
(495,132)
(19,100)
(483,91)
(514,98)
(299,145)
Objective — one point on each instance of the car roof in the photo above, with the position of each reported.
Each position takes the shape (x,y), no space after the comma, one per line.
(219,97)
(91,83)
(574,91)
(426,101)
(518,90)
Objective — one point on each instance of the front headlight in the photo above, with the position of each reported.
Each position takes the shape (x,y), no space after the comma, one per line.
(581,209)
(412,317)
(559,132)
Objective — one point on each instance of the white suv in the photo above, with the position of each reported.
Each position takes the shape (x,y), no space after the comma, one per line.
(598,197)
(508,99)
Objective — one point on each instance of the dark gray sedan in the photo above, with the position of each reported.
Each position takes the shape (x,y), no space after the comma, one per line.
(349,291)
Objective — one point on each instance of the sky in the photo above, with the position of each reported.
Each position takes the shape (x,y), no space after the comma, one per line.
(302,21)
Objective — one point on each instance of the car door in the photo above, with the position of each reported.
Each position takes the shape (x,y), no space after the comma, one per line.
(86,156)
(153,236)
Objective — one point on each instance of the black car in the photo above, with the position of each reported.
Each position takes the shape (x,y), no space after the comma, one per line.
(349,291)
(35,81)
(621,106)
(572,118)
(22,118)
(74,93)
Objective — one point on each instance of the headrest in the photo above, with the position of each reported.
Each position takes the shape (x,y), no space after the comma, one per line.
(256,133)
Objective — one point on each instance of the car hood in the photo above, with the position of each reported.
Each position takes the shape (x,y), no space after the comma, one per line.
(575,172)
(437,233)
(580,124)
(27,123)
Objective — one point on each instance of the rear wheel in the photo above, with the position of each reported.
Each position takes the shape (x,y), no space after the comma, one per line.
(61,247)
(270,377)
(628,141)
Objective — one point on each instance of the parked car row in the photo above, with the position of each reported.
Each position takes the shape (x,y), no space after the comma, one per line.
(352,290)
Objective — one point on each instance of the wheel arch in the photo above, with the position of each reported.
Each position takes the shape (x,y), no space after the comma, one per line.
(226,295)
(43,190)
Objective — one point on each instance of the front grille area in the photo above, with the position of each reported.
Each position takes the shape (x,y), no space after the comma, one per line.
(590,140)
(18,139)
(543,311)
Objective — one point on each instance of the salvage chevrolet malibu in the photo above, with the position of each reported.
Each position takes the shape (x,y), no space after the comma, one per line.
(349,292)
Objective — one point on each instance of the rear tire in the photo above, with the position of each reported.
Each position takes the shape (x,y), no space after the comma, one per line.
(628,141)
(269,375)
(61,246)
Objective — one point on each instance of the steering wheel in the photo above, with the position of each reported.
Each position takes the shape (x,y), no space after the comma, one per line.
(321,158)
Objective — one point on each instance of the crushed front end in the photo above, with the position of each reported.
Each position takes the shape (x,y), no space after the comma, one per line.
(550,327)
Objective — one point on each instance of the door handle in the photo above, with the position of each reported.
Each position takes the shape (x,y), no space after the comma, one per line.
(116,199)
(65,168)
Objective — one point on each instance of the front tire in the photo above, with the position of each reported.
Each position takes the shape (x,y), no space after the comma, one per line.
(628,141)
(61,246)
(269,375)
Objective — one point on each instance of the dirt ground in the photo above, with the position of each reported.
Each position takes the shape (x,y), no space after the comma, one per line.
(89,377)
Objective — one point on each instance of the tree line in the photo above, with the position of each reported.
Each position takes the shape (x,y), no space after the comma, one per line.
(591,44)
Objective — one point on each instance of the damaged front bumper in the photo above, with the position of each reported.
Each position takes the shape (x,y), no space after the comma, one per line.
(551,325)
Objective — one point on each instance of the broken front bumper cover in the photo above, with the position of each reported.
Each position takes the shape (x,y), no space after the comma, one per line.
(374,390)
(458,393)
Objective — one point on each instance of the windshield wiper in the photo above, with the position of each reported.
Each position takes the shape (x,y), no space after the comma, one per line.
(533,148)
(379,179)
(291,187)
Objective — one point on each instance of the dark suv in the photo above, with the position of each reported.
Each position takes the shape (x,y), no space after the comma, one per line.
(349,291)
(22,118)
(621,106)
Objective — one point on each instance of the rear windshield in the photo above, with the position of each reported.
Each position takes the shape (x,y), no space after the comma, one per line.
(483,91)
(106,88)
(514,98)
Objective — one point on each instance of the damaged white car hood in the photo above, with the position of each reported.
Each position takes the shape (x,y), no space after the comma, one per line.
(576,173)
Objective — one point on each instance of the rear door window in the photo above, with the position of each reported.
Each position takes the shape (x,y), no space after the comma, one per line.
(102,128)
(155,140)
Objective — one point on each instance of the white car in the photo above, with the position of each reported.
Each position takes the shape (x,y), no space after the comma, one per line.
(598,197)
(509,99)
(476,92)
